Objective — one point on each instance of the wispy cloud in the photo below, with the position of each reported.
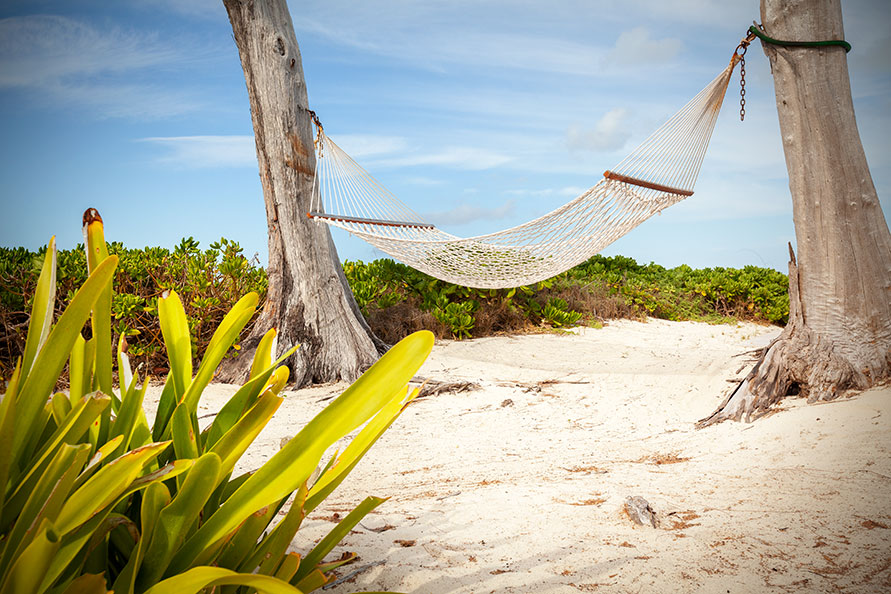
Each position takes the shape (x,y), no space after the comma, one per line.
(636,47)
(190,152)
(74,62)
(469,213)
(566,192)
(611,132)
(203,9)
(366,145)
(404,33)
(381,151)
(457,157)
(419,180)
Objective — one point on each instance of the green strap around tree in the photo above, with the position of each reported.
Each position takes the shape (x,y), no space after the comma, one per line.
(830,42)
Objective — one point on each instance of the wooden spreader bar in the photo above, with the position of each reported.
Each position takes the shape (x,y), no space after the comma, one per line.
(382,222)
(645,184)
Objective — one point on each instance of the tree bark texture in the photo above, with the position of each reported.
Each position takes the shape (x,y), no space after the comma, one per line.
(308,299)
(838,339)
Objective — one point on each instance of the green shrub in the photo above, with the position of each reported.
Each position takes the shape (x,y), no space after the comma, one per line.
(93,497)
(209,283)
(598,289)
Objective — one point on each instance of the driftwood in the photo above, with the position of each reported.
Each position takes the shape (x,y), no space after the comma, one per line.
(431,387)
(639,510)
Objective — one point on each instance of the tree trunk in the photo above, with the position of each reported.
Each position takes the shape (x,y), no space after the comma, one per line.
(838,339)
(308,299)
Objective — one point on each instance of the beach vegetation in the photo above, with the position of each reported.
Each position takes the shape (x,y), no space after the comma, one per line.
(396,300)
(96,495)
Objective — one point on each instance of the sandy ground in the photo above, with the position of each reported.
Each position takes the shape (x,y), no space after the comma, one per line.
(520,486)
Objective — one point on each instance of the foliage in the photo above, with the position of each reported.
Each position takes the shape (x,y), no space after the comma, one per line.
(209,283)
(395,299)
(598,289)
(94,497)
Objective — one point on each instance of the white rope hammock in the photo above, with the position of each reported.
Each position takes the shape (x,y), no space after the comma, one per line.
(660,172)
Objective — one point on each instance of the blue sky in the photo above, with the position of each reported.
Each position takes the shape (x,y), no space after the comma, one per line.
(478,114)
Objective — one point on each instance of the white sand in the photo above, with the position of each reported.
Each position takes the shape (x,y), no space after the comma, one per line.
(520,485)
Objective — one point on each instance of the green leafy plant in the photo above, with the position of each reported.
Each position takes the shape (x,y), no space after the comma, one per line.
(209,282)
(93,497)
(555,313)
(457,317)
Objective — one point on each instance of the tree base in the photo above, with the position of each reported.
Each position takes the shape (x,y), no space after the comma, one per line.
(798,362)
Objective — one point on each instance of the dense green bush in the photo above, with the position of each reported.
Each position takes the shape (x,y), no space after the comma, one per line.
(596,290)
(209,283)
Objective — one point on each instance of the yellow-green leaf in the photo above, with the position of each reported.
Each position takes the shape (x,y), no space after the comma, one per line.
(7,431)
(237,440)
(175,329)
(226,334)
(44,500)
(76,424)
(182,429)
(51,359)
(42,308)
(155,498)
(292,465)
(357,448)
(315,557)
(264,353)
(97,252)
(27,572)
(176,518)
(105,487)
(198,578)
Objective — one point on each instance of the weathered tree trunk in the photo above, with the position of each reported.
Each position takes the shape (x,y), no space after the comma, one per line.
(838,338)
(308,300)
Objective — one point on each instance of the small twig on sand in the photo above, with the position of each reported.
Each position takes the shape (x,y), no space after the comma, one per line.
(353,574)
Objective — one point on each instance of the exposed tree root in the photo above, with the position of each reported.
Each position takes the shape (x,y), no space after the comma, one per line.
(797,362)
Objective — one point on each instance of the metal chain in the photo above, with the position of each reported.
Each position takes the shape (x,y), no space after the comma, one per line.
(741,54)
(742,86)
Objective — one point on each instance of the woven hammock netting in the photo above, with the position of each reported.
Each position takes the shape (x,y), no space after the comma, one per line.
(660,172)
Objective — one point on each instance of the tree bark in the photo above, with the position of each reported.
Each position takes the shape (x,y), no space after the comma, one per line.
(838,339)
(308,299)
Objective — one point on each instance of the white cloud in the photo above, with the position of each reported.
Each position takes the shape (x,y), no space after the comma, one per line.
(457,157)
(189,152)
(106,100)
(73,62)
(206,9)
(636,47)
(468,213)
(610,133)
(435,36)
(365,145)
(566,192)
(419,180)
(43,49)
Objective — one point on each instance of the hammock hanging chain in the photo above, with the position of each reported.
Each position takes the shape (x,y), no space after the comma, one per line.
(740,55)
(742,83)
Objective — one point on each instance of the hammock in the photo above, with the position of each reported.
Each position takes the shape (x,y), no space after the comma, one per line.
(660,172)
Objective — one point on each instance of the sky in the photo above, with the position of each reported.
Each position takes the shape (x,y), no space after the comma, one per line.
(480,115)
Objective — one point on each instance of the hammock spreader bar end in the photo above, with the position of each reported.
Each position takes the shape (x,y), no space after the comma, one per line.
(645,184)
(361,221)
